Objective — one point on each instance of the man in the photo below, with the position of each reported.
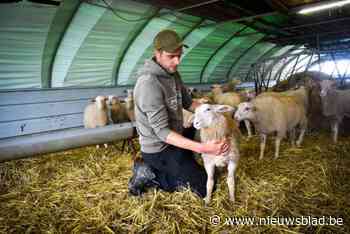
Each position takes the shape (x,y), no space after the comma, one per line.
(159,96)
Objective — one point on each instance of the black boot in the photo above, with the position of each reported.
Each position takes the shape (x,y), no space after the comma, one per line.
(143,177)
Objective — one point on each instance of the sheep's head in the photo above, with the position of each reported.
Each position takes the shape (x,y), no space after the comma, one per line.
(249,94)
(326,86)
(206,114)
(112,100)
(130,92)
(101,102)
(202,100)
(216,89)
(245,110)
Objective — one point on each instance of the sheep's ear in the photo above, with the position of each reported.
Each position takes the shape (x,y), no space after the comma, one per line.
(223,108)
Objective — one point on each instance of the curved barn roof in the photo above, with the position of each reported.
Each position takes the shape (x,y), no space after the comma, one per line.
(102,43)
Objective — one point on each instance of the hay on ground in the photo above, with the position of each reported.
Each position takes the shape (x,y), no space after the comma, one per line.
(85,191)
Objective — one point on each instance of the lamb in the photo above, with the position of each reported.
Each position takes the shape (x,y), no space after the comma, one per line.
(214,125)
(129,104)
(195,93)
(118,113)
(229,86)
(96,113)
(335,104)
(232,99)
(274,113)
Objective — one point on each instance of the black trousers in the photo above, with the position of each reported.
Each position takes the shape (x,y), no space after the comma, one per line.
(175,168)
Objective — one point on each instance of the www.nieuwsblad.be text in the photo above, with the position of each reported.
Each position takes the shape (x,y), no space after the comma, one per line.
(269,220)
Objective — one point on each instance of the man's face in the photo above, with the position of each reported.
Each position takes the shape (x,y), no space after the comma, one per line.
(167,60)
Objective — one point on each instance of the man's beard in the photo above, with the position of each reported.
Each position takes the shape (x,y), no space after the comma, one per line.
(172,71)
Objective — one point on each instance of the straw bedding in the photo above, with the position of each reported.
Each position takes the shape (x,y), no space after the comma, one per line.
(85,191)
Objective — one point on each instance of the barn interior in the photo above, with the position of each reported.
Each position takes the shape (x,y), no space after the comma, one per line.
(56,55)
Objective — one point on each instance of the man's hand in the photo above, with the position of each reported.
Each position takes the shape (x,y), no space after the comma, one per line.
(212,147)
(216,147)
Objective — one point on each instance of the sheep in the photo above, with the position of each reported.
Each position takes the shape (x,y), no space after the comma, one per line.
(96,114)
(187,118)
(195,93)
(121,113)
(232,99)
(274,113)
(118,113)
(335,104)
(214,125)
(129,104)
(227,87)
(247,94)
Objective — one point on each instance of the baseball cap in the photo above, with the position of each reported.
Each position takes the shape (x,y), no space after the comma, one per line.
(168,40)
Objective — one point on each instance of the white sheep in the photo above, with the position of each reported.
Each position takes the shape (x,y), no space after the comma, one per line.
(232,99)
(274,113)
(188,115)
(214,125)
(129,104)
(229,86)
(335,104)
(96,114)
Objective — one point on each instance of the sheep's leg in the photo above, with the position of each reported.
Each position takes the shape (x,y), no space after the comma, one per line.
(335,129)
(105,145)
(231,180)
(277,147)
(262,145)
(210,169)
(292,137)
(302,133)
(248,127)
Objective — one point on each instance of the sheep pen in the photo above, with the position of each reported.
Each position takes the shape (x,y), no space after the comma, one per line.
(86,191)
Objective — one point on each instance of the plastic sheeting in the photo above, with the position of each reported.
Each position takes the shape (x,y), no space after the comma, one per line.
(101,48)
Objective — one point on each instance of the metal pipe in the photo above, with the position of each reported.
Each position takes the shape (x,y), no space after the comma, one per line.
(336,65)
(27,146)
(198,5)
(242,19)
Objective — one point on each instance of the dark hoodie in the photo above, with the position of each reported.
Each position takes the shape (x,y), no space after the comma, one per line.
(159,98)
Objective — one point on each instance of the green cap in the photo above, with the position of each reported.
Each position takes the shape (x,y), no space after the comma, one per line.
(168,40)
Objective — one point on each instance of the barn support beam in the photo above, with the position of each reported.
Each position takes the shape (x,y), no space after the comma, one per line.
(58,27)
(335,65)
(118,62)
(262,57)
(32,145)
(309,63)
(241,56)
(220,47)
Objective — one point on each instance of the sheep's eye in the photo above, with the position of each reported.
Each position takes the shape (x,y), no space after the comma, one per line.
(208,109)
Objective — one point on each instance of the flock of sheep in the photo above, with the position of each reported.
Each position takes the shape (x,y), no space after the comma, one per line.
(221,111)
(270,112)
(105,110)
